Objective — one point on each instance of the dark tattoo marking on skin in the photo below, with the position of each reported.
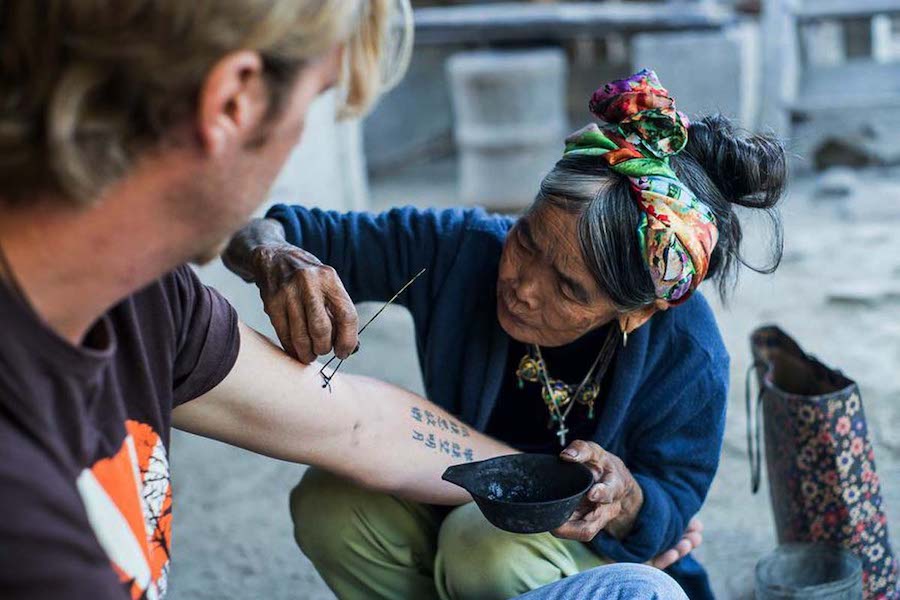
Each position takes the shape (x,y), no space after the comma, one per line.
(453,449)
(426,417)
(439,443)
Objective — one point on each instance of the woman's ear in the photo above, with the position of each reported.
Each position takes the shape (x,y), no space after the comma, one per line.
(630,321)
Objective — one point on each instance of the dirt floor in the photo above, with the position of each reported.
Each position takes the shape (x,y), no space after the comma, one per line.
(837,292)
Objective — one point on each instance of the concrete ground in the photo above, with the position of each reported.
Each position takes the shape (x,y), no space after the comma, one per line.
(837,292)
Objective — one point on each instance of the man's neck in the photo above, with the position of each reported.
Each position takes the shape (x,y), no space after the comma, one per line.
(74,263)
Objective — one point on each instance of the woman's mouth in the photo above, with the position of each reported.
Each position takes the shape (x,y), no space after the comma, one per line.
(508,313)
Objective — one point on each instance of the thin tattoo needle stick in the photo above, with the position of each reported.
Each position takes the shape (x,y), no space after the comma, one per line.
(327,378)
(363,328)
(380,310)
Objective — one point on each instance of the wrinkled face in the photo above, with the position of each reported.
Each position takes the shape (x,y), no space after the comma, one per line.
(545,293)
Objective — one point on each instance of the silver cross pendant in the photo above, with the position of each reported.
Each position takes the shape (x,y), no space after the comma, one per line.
(561,433)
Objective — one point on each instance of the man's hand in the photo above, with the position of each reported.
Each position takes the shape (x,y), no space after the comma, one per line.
(309,308)
(613,502)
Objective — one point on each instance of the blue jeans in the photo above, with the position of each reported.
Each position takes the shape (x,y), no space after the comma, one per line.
(620,581)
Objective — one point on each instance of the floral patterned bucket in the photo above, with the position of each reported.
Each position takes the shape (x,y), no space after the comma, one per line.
(820,463)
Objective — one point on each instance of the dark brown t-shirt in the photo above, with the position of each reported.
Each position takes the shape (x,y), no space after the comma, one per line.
(85,497)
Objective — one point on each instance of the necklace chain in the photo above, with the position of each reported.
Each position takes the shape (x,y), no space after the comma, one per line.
(580,387)
(536,371)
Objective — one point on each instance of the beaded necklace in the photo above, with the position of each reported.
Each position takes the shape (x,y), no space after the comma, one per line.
(560,397)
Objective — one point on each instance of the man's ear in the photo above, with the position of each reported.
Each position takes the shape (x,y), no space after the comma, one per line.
(232,102)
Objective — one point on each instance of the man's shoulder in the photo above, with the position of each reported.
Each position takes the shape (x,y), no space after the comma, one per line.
(178,286)
(186,329)
(166,302)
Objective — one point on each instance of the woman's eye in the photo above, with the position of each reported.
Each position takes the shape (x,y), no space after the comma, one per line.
(569,293)
(523,244)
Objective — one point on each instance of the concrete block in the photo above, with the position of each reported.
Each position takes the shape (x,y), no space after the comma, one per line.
(510,122)
(707,71)
(414,121)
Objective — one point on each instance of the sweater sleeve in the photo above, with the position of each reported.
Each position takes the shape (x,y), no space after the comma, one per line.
(674,460)
(376,254)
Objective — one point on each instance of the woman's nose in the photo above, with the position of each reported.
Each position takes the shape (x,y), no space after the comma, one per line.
(526,292)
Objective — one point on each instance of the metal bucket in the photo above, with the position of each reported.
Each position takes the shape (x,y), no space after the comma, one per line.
(807,572)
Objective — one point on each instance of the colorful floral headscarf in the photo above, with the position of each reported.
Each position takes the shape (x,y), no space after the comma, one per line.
(677,232)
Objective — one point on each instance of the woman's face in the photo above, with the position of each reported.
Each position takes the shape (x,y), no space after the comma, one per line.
(545,293)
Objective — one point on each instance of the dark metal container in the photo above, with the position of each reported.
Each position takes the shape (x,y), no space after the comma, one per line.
(524,493)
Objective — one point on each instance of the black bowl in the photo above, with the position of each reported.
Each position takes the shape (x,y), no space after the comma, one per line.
(524,493)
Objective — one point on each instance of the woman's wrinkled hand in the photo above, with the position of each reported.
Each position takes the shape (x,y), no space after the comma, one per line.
(306,301)
(612,503)
(690,539)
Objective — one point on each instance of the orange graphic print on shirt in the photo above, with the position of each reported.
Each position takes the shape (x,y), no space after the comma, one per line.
(129,505)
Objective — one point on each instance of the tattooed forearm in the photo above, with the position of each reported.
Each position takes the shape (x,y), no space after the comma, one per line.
(426,417)
(447,428)
(429,440)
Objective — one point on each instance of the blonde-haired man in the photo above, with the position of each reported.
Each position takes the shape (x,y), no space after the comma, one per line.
(136,136)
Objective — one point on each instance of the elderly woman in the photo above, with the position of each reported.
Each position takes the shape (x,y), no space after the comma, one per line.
(578,321)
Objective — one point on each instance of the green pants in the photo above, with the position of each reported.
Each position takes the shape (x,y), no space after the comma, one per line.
(368,545)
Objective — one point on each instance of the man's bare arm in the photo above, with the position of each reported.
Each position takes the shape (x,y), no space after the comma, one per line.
(374,433)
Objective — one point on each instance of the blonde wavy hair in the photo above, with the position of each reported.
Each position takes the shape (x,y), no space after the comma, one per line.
(86,86)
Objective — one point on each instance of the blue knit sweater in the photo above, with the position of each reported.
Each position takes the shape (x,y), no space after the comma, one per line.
(664,412)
